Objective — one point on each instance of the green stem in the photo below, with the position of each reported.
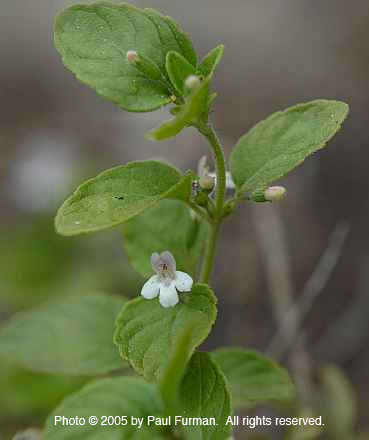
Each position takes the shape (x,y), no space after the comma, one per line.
(208,131)
(220,190)
(208,261)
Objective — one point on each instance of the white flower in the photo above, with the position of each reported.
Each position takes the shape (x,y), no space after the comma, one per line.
(167,280)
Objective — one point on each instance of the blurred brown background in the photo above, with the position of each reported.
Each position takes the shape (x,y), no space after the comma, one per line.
(56,132)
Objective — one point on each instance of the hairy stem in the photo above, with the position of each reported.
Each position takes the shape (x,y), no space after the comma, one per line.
(208,131)
(220,190)
(208,261)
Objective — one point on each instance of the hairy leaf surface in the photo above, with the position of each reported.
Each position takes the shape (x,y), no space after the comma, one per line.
(93,41)
(204,394)
(118,194)
(146,332)
(278,144)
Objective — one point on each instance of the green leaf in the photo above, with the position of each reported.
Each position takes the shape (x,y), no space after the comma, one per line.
(148,68)
(70,336)
(338,402)
(182,40)
(179,69)
(204,394)
(211,60)
(146,332)
(253,377)
(195,109)
(93,41)
(118,194)
(26,394)
(174,371)
(281,142)
(156,230)
(115,397)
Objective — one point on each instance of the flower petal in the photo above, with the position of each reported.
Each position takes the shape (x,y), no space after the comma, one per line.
(168,259)
(168,295)
(155,262)
(183,281)
(201,166)
(151,288)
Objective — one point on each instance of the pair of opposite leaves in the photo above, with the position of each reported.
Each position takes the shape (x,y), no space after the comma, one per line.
(93,41)
(251,376)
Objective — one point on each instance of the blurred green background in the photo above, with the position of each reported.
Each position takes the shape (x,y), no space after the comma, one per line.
(55,132)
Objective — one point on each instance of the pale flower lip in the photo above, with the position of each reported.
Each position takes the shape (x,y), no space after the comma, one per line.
(167,282)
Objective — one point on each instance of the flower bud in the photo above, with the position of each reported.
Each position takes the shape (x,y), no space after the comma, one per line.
(207,182)
(132,56)
(274,193)
(192,82)
(144,65)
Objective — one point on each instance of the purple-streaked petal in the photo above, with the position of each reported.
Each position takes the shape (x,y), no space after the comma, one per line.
(168,295)
(168,259)
(183,281)
(151,288)
(155,262)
